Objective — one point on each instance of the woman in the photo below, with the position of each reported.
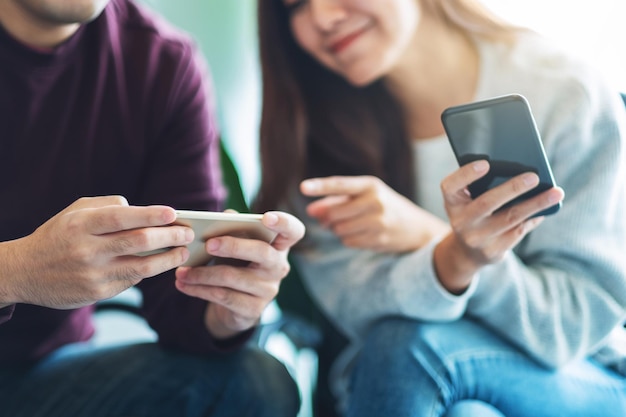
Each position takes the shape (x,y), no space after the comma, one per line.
(448,300)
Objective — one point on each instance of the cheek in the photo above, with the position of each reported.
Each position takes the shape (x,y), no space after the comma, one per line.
(304,35)
(310,41)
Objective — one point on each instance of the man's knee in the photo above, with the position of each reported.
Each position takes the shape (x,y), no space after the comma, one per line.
(263,380)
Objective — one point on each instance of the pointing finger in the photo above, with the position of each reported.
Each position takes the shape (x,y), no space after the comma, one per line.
(353,185)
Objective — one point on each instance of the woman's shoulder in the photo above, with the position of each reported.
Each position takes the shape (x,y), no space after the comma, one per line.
(539,57)
(545,72)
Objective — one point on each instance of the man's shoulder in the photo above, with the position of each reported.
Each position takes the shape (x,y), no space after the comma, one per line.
(142,24)
(157,58)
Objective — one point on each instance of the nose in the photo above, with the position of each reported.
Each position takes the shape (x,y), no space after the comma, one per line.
(327,14)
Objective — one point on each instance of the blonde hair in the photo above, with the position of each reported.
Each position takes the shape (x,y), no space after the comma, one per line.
(472,17)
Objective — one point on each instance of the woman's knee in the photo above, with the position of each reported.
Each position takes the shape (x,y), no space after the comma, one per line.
(391,334)
(396,338)
(392,346)
(425,353)
(399,370)
(473,408)
(449,338)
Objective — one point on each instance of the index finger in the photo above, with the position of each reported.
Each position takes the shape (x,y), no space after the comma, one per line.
(110,219)
(352,185)
(290,230)
(455,184)
(95,202)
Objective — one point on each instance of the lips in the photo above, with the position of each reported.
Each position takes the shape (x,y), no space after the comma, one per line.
(341,44)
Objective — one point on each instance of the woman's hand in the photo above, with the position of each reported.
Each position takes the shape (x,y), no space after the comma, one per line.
(481,234)
(366,213)
(238,292)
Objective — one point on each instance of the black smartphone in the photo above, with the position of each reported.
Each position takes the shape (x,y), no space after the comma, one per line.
(501,130)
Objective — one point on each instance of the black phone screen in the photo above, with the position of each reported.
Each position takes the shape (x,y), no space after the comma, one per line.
(502,131)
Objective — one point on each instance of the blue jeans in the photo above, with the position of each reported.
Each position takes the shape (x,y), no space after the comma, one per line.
(413,369)
(144,380)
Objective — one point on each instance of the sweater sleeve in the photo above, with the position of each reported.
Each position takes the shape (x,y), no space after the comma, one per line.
(562,291)
(358,287)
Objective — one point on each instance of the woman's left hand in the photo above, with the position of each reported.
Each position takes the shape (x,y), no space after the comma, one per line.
(366,213)
(481,234)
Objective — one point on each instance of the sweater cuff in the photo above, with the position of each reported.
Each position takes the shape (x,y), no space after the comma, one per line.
(233,343)
(445,305)
(191,335)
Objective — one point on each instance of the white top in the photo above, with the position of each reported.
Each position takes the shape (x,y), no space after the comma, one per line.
(434,160)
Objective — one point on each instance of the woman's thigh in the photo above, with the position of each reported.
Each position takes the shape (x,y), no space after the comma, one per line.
(145,380)
(422,369)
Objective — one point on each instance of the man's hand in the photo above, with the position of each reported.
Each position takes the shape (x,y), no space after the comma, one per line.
(86,253)
(237,293)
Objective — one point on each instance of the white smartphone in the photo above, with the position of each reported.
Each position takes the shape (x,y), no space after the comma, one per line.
(501,130)
(208,224)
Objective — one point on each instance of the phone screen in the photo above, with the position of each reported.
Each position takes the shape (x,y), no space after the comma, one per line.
(502,131)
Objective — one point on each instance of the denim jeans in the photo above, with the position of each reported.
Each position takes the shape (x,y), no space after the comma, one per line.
(413,369)
(144,380)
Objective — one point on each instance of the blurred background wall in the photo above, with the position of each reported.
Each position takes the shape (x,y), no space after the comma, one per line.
(594,30)
(226,33)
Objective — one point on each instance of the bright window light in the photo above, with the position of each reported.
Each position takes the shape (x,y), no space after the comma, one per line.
(595,30)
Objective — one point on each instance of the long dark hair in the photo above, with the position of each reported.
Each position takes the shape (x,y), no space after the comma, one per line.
(314,123)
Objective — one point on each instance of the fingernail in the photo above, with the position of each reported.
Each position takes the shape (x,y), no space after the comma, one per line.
(309,185)
(530,179)
(271,219)
(189,235)
(182,272)
(168,216)
(185,255)
(480,166)
(553,198)
(213,244)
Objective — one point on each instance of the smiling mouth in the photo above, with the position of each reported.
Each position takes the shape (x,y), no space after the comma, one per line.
(346,41)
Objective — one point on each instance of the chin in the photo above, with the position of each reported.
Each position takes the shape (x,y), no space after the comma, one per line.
(361,79)
(363,72)
(66,11)
(83,11)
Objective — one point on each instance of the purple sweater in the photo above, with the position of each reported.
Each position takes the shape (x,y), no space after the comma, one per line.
(123,107)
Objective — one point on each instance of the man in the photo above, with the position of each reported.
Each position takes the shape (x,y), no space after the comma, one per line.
(100,98)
